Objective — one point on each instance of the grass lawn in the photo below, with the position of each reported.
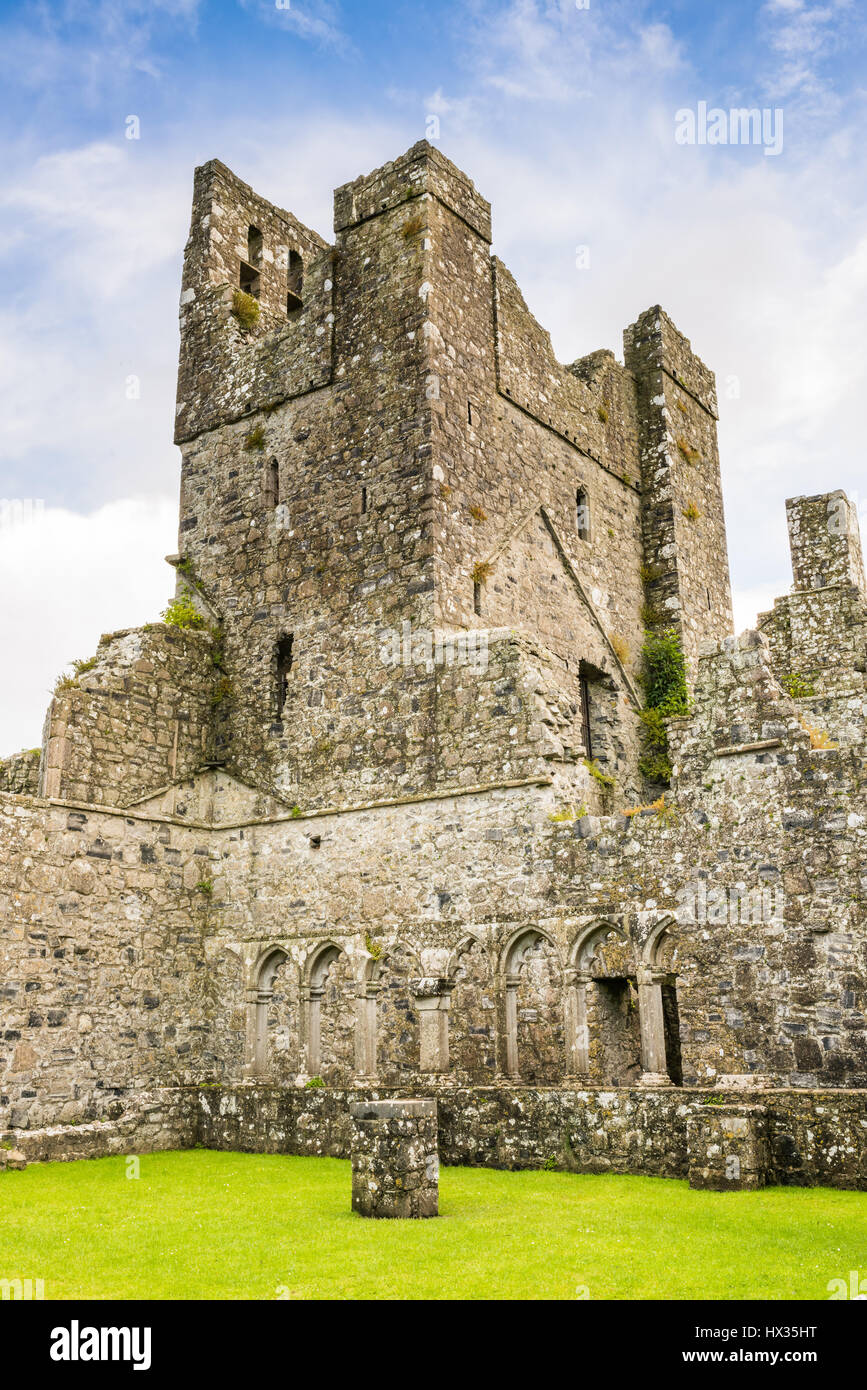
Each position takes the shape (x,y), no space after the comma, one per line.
(201,1224)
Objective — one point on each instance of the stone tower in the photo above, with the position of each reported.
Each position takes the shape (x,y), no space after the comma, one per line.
(390,458)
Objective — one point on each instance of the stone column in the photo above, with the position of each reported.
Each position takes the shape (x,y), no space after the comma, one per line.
(365,1032)
(251,1041)
(395,1158)
(651,1022)
(314,1028)
(727,1146)
(511,1028)
(577,1030)
(432,999)
(260,1047)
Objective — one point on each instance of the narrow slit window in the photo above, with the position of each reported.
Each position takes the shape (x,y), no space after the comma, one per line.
(363,500)
(294,282)
(582,514)
(272,483)
(284,666)
(477,597)
(585,717)
(469,412)
(709,604)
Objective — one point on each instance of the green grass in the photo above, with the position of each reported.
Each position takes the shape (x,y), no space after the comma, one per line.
(205,1225)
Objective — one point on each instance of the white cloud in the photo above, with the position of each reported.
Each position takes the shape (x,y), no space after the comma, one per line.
(66,579)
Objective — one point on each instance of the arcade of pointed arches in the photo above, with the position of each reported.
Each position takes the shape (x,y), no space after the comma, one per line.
(608,1015)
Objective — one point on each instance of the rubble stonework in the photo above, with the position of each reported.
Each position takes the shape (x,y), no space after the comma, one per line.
(395,1159)
(727,1146)
(322,843)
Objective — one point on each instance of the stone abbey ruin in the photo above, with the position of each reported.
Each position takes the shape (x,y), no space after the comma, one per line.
(446,776)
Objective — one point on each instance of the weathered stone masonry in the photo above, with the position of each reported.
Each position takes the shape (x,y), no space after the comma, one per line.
(324,836)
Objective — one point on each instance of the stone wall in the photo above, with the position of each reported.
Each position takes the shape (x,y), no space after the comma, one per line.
(101,959)
(20,773)
(814,1139)
(139,942)
(687,576)
(227,370)
(140,718)
(817,634)
(145,1122)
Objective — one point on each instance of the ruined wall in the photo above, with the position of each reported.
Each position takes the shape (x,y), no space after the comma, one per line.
(818,633)
(20,773)
(685,553)
(138,719)
(226,369)
(134,942)
(101,959)
(815,1138)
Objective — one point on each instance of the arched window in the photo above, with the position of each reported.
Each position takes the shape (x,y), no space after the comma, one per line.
(262,999)
(534,1042)
(582,514)
(294,282)
(249,275)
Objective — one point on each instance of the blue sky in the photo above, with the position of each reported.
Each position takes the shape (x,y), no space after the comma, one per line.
(564,118)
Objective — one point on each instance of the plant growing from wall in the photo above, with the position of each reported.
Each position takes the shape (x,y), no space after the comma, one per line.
(798,686)
(663,811)
(691,511)
(182,612)
(567,813)
(481,572)
(68,680)
(687,452)
(245,309)
(664,680)
(222,692)
(606,782)
(412,227)
(255,440)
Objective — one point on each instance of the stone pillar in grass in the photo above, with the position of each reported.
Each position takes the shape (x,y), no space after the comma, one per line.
(395,1159)
(727,1146)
